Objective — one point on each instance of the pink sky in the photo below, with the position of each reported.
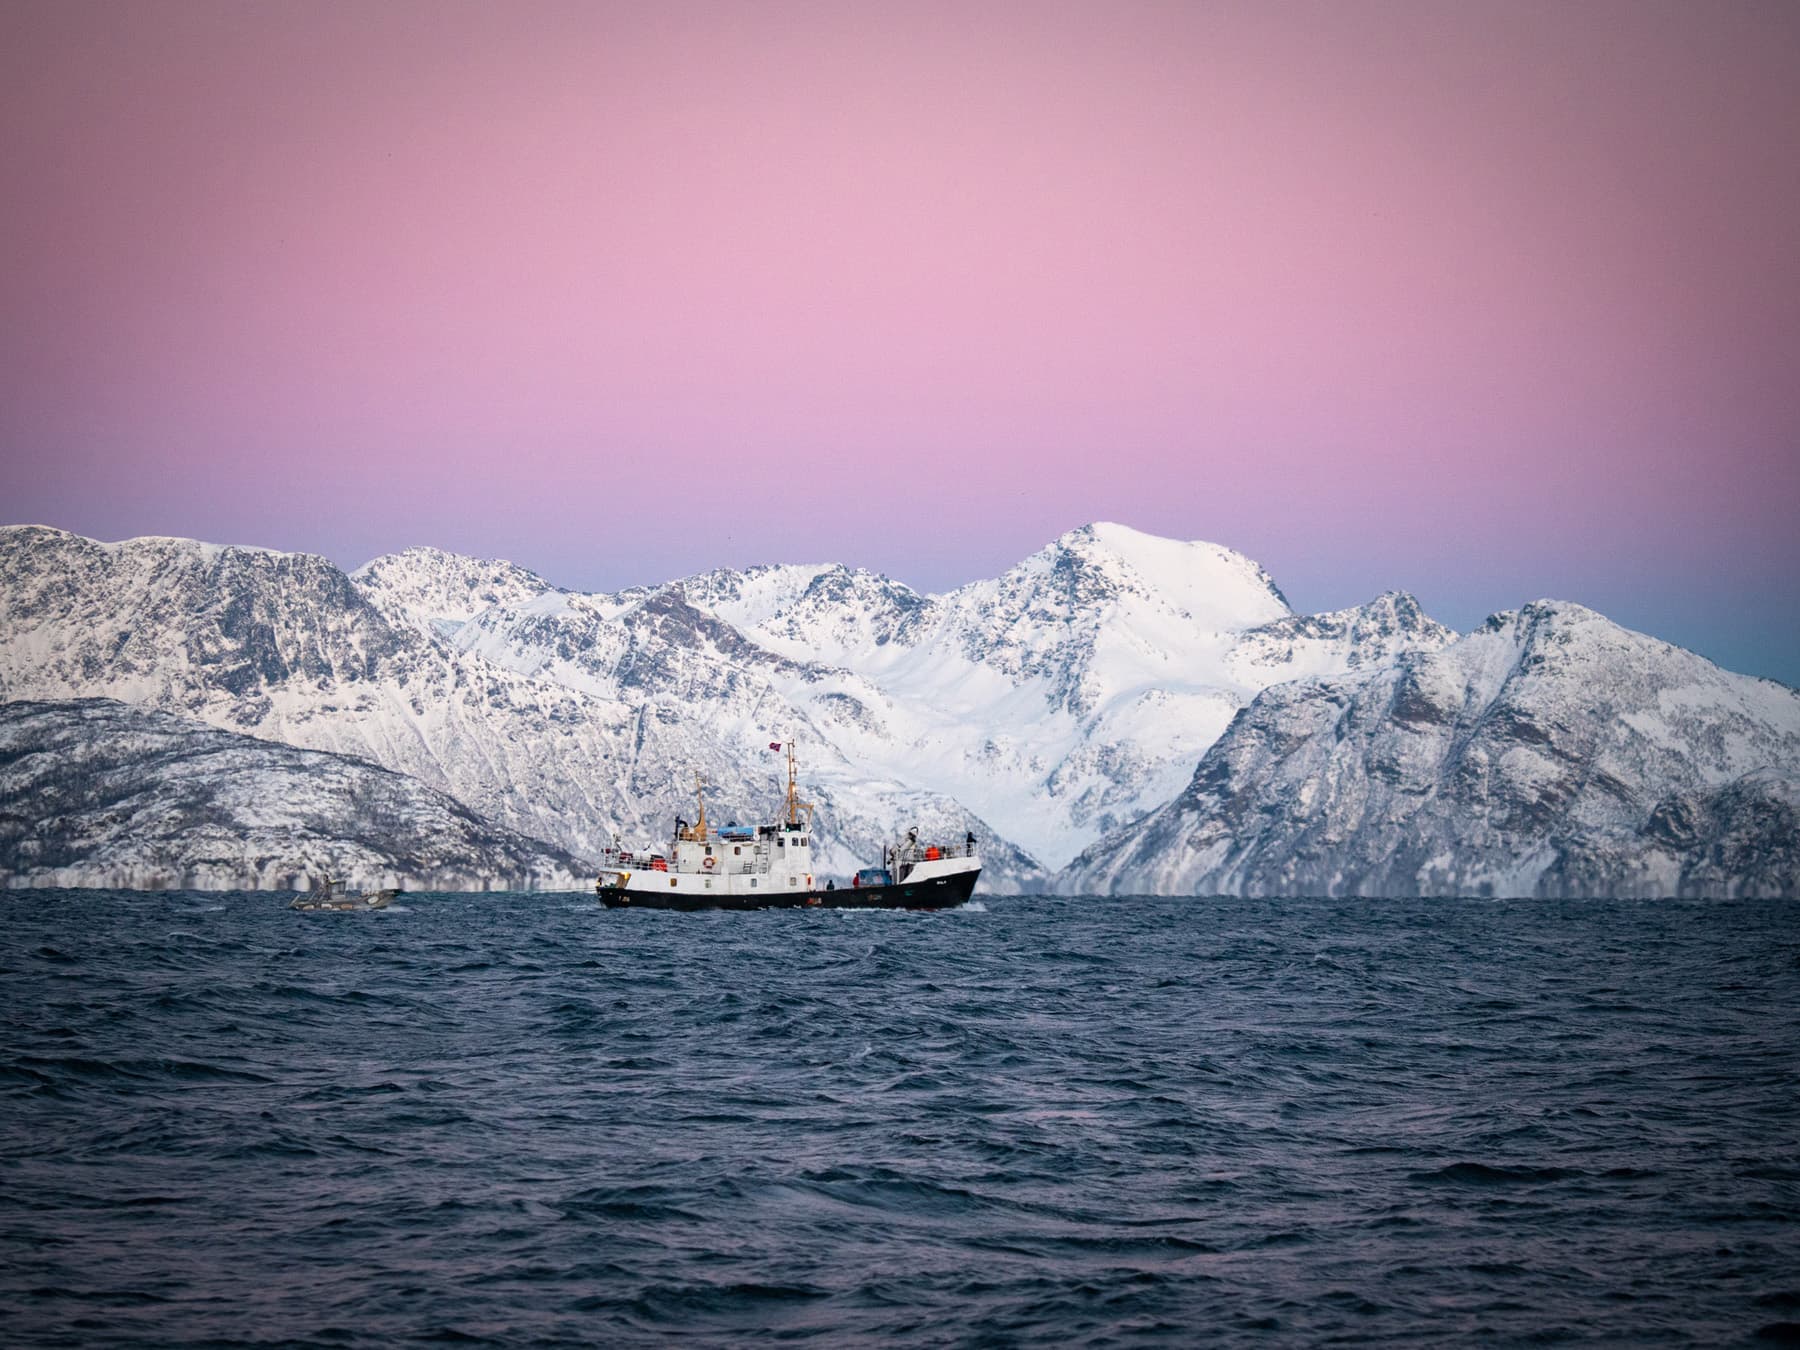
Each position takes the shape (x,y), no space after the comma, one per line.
(1483,301)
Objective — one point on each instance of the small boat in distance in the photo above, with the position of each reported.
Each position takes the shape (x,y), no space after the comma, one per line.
(770,867)
(332,895)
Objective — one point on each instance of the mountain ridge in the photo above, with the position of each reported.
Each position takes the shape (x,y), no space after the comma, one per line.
(1551,752)
(1065,702)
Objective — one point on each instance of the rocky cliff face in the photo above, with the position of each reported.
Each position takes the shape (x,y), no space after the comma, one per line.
(97,793)
(180,624)
(1549,753)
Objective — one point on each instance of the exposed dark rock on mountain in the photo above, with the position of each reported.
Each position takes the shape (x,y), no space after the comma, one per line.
(1550,753)
(96,793)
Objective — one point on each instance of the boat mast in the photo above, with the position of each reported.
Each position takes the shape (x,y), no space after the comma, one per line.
(794,804)
(698,832)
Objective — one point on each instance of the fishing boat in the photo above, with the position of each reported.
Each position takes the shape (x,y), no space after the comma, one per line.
(331,895)
(770,867)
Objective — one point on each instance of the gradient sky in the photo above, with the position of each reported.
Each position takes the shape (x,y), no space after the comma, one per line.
(1482,301)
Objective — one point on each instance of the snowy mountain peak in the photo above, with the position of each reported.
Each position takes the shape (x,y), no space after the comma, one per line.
(1363,637)
(1395,612)
(809,612)
(1541,616)
(1106,612)
(1210,585)
(437,592)
(143,547)
(1574,634)
(752,596)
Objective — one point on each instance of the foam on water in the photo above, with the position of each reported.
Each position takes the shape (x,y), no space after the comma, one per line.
(528,1120)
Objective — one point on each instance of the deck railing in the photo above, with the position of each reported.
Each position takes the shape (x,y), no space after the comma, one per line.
(908,853)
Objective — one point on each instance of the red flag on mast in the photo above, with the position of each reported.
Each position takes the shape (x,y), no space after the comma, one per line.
(774,745)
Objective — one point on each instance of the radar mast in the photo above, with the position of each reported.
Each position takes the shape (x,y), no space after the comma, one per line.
(794,805)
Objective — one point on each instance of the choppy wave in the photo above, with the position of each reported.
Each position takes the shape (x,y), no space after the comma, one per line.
(520,1120)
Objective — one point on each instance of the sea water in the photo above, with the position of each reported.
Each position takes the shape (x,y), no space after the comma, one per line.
(527,1120)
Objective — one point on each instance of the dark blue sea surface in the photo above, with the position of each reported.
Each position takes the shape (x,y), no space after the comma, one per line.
(525,1120)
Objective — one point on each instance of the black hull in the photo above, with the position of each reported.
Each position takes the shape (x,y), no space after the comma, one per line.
(937,893)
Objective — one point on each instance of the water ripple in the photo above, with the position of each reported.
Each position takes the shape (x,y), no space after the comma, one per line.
(516,1120)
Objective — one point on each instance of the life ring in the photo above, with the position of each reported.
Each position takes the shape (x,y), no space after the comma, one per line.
(707,863)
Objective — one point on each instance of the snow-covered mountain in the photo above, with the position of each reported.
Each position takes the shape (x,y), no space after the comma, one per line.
(1549,753)
(1061,699)
(97,793)
(1043,710)
(1038,709)
(1066,700)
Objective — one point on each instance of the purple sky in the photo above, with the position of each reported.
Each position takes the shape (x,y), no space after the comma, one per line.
(1483,301)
